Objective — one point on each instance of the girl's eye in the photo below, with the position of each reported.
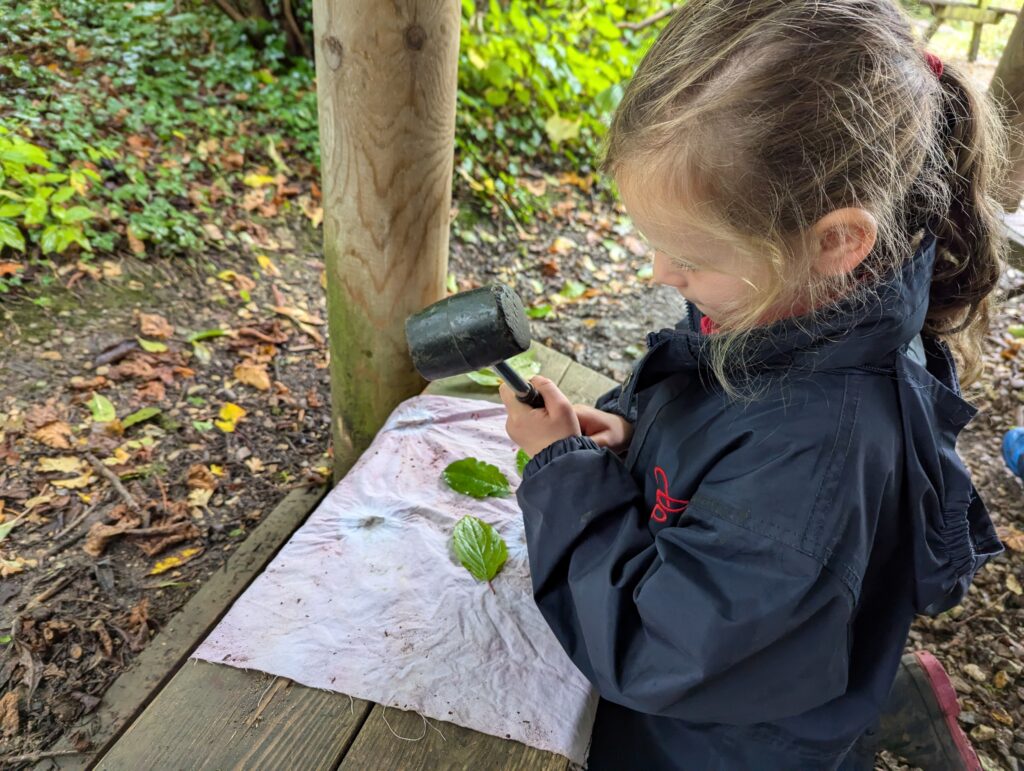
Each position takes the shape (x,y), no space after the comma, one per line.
(683,264)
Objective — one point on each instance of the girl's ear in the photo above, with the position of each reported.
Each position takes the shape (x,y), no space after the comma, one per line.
(842,239)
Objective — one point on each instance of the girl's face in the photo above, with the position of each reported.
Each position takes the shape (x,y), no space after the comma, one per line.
(708,271)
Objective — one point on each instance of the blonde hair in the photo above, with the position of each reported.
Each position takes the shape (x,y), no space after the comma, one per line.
(773,113)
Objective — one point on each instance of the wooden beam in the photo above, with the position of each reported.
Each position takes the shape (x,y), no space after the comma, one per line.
(1007,90)
(386,85)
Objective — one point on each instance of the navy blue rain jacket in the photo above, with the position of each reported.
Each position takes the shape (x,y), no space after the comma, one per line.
(739,587)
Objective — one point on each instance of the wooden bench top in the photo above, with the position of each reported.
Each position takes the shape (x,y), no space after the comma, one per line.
(189,714)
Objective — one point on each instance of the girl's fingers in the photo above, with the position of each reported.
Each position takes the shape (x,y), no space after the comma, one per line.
(554,400)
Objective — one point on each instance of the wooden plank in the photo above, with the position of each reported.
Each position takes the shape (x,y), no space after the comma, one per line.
(130,693)
(1007,90)
(438,745)
(213,716)
(583,385)
(553,365)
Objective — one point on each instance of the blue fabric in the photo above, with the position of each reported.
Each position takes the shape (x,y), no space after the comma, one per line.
(739,587)
(1013,450)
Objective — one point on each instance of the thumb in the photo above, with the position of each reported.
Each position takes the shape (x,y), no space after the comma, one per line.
(554,400)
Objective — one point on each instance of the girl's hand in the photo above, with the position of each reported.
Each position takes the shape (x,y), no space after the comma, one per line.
(605,428)
(534,429)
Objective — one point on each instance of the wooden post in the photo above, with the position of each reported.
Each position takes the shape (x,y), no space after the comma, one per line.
(1007,90)
(386,84)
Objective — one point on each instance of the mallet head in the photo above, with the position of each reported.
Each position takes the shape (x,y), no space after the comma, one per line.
(467,331)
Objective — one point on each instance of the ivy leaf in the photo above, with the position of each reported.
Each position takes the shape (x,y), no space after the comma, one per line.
(479,548)
(476,478)
(539,312)
(102,409)
(521,460)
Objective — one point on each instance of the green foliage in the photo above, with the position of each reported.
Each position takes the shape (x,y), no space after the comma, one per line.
(471,476)
(538,79)
(479,548)
(521,460)
(39,202)
(163,106)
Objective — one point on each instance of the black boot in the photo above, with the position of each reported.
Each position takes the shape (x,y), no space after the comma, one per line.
(919,720)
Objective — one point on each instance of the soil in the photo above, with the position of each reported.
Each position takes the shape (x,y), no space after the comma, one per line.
(94,611)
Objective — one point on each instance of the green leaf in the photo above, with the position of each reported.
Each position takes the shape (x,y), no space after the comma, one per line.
(24,153)
(646,272)
(5,639)
(202,352)
(521,460)
(539,312)
(62,195)
(479,548)
(450,284)
(152,346)
(476,478)
(573,289)
(236,532)
(77,214)
(1016,331)
(140,415)
(11,209)
(7,527)
(202,425)
(525,364)
(50,239)
(11,236)
(102,409)
(35,212)
(206,334)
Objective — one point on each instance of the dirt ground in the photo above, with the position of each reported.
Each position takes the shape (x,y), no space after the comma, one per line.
(92,570)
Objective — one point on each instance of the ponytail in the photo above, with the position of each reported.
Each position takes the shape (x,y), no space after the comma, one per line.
(970,243)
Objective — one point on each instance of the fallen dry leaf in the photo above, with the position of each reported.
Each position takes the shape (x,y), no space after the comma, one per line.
(153,391)
(199,476)
(253,375)
(213,231)
(16,565)
(65,463)
(55,435)
(155,325)
(135,243)
(199,497)
(230,414)
(1012,538)
(175,560)
(10,268)
(75,483)
(9,721)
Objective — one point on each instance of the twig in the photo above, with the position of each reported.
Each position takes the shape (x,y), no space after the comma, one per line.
(230,10)
(159,530)
(645,23)
(33,756)
(39,599)
(289,18)
(109,475)
(75,538)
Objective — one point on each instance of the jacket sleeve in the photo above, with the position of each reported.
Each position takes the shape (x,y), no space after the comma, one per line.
(706,621)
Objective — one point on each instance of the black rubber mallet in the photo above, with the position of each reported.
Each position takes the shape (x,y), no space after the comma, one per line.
(469,331)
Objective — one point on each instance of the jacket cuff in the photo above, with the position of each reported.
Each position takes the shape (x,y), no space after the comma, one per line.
(555,450)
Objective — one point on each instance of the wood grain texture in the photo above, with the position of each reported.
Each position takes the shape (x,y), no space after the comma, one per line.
(386,84)
(1007,89)
(212,716)
(438,745)
(130,693)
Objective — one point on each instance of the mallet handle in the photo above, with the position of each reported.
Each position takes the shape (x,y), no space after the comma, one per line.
(525,392)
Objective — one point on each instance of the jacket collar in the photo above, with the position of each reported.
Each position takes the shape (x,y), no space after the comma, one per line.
(863,330)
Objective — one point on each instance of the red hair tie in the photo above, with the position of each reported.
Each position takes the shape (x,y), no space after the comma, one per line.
(934,63)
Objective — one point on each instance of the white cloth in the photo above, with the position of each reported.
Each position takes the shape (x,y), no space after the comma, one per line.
(368,599)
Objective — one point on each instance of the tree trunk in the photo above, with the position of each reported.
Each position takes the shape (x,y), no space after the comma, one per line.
(1007,90)
(386,84)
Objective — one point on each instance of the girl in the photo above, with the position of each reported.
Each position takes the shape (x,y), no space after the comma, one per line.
(733,544)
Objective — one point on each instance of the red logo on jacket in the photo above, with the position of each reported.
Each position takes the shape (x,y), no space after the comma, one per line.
(665,504)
